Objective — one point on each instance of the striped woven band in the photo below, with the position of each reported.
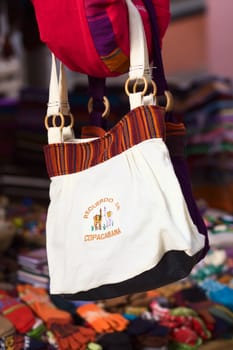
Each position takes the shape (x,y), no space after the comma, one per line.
(140,124)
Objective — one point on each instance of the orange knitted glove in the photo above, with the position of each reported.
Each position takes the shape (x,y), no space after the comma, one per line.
(100,320)
(39,301)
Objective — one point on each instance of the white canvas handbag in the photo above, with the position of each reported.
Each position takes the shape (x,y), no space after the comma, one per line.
(116,208)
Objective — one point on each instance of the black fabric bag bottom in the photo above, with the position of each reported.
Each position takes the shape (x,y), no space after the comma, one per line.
(175,265)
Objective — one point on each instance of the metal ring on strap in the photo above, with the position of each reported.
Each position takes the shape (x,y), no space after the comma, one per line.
(152,83)
(68,115)
(134,88)
(106,103)
(170,101)
(60,115)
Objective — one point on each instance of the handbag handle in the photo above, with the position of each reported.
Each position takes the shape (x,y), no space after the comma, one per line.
(139,62)
(139,59)
(161,88)
(58,104)
(139,65)
(98,100)
(158,72)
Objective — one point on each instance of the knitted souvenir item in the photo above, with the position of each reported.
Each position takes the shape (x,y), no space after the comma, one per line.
(100,320)
(70,336)
(38,300)
(19,314)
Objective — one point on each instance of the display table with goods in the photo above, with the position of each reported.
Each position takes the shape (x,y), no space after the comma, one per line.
(205,106)
(194,313)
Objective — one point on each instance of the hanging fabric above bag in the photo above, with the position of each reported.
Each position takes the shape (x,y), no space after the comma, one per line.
(116,209)
(92,36)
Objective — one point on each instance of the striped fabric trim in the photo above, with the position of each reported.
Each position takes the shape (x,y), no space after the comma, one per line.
(140,124)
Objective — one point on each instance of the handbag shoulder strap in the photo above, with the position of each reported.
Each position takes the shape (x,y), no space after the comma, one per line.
(136,60)
(139,63)
(58,106)
(139,69)
(158,72)
(97,108)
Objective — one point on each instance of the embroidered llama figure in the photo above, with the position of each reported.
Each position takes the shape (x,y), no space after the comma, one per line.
(98,220)
(108,217)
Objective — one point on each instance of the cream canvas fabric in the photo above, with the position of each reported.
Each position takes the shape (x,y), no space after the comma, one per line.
(115,220)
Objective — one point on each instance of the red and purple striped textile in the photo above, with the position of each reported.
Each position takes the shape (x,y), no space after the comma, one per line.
(92,36)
